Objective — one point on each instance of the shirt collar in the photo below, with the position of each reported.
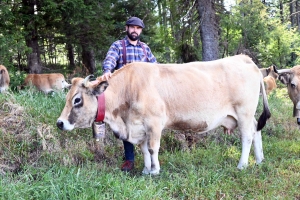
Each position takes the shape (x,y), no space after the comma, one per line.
(127,42)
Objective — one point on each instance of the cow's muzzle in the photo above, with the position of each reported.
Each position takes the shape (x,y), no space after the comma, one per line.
(60,124)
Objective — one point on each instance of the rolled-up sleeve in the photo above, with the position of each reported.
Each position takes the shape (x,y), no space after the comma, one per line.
(110,61)
(151,57)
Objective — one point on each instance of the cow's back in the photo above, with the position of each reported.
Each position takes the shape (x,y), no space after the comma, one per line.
(4,78)
(40,81)
(189,93)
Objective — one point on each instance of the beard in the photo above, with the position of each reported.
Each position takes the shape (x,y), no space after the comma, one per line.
(133,37)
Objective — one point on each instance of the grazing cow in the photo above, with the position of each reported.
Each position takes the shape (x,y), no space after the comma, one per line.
(4,79)
(270,79)
(47,83)
(141,99)
(291,78)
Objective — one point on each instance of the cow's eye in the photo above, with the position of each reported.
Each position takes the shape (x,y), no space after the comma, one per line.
(77,101)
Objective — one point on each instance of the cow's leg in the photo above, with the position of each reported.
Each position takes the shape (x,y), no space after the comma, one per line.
(257,143)
(153,133)
(246,130)
(147,157)
(154,144)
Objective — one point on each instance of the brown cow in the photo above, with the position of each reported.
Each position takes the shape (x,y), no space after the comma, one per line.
(270,79)
(142,99)
(4,79)
(47,83)
(291,78)
(266,71)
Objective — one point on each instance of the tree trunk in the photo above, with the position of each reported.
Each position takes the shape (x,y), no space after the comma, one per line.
(281,11)
(71,55)
(298,15)
(208,30)
(88,59)
(33,58)
(292,14)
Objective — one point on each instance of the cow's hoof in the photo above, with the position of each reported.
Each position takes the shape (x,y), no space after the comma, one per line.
(146,171)
(242,166)
(259,161)
(154,172)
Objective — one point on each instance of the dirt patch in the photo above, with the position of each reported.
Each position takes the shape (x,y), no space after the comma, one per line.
(26,141)
(22,138)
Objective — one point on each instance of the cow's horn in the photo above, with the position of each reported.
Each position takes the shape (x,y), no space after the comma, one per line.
(280,71)
(87,79)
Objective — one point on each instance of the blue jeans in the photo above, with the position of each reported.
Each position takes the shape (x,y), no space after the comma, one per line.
(129,151)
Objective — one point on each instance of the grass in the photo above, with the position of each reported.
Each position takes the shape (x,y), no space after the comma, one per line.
(38,161)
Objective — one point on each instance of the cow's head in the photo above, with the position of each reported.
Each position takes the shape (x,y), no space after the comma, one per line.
(291,78)
(81,104)
(272,71)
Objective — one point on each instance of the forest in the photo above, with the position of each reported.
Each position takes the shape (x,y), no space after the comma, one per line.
(39,36)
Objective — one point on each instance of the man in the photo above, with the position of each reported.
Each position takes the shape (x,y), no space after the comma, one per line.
(128,50)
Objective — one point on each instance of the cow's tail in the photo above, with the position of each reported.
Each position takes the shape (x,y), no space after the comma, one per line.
(266,111)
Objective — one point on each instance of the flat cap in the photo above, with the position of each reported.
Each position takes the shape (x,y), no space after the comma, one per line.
(135,21)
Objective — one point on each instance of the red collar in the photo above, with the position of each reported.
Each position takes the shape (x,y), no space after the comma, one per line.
(101,108)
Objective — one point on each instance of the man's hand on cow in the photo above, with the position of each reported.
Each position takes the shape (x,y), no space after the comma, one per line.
(106,76)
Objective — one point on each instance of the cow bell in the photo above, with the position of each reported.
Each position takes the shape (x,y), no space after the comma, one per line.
(98,130)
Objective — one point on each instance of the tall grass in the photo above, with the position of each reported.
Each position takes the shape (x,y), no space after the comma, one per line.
(38,161)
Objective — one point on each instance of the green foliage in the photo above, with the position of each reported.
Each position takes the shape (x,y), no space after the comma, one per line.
(12,44)
(258,28)
(282,42)
(245,26)
(16,79)
(231,34)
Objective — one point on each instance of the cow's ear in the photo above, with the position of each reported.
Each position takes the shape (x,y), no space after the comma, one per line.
(284,78)
(68,86)
(100,88)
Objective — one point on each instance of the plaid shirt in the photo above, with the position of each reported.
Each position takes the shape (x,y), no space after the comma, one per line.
(114,56)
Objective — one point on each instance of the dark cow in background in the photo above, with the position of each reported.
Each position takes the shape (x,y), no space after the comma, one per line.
(142,99)
(47,83)
(291,78)
(4,79)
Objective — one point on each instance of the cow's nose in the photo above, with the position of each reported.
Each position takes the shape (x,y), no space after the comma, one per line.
(60,124)
(298,121)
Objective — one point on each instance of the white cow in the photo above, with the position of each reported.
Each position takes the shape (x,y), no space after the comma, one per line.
(142,99)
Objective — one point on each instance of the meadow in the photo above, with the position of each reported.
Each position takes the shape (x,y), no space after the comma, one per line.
(38,161)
